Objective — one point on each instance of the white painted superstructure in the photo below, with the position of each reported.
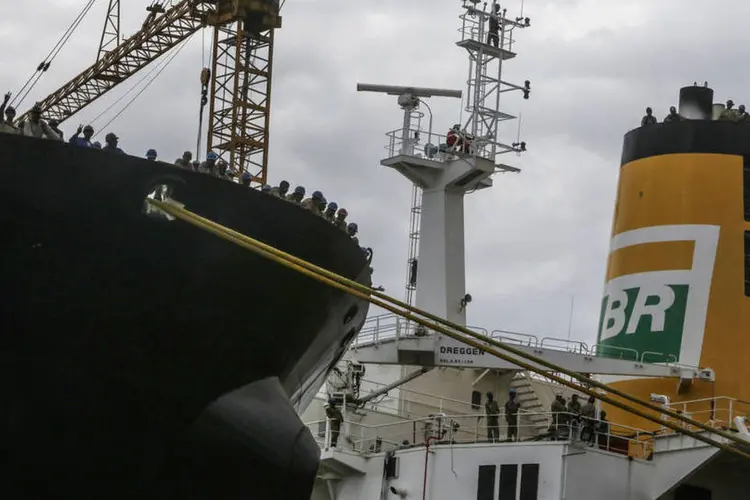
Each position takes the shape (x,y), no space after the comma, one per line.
(413,401)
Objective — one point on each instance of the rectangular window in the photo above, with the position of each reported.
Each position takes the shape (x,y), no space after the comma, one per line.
(486,483)
(508,479)
(529,481)
(688,492)
(322,429)
(747,263)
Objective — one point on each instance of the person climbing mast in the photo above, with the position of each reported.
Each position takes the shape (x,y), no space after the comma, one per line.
(493,35)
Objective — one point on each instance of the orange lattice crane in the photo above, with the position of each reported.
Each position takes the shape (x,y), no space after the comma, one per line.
(240,73)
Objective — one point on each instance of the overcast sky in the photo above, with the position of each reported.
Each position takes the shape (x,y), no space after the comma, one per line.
(533,241)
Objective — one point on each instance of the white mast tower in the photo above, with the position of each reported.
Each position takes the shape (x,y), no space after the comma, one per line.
(446,168)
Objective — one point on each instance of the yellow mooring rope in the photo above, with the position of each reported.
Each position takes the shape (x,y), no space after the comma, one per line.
(476,340)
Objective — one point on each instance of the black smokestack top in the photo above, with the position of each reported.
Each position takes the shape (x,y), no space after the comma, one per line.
(696,102)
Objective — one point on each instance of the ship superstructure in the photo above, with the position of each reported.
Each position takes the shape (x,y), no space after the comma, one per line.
(412,400)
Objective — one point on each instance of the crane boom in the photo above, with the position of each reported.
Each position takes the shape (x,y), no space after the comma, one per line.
(240,80)
(132,55)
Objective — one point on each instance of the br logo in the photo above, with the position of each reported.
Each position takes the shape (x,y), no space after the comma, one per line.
(658,312)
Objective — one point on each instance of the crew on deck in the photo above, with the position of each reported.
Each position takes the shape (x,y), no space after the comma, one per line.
(185,160)
(85,141)
(330,212)
(111,144)
(209,165)
(335,418)
(492,412)
(281,190)
(55,125)
(512,406)
(729,114)
(673,115)
(7,126)
(37,127)
(297,195)
(340,221)
(493,37)
(649,118)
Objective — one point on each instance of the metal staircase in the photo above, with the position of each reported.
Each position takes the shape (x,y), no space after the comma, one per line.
(530,402)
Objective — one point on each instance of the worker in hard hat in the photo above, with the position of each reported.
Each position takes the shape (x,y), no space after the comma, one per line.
(321,203)
(209,166)
(352,229)
(151,155)
(559,415)
(330,212)
(185,160)
(85,141)
(313,203)
(588,420)
(6,125)
(492,412)
(335,418)
(281,190)
(729,114)
(55,125)
(742,115)
(246,178)
(37,127)
(673,116)
(111,142)
(340,221)
(297,195)
(511,414)
(458,140)
(649,118)
(221,168)
(493,34)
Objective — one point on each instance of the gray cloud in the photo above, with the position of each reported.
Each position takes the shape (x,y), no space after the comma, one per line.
(535,239)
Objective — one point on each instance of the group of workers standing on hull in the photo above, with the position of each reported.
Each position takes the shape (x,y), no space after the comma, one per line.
(316,203)
(728,114)
(39,128)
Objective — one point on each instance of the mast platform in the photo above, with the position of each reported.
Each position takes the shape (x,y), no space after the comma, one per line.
(473,45)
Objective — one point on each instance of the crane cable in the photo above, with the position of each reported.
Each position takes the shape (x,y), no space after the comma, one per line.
(47,62)
(477,341)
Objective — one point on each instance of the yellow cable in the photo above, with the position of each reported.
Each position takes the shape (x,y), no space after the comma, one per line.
(340,279)
(583,379)
(366,293)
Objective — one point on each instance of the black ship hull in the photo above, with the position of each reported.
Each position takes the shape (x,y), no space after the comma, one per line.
(145,358)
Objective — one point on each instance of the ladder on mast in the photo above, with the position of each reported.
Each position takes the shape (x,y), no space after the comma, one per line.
(485,83)
(413,261)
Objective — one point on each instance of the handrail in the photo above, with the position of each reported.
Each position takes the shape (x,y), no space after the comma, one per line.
(670,358)
(622,350)
(457,429)
(574,346)
(395,327)
(503,335)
